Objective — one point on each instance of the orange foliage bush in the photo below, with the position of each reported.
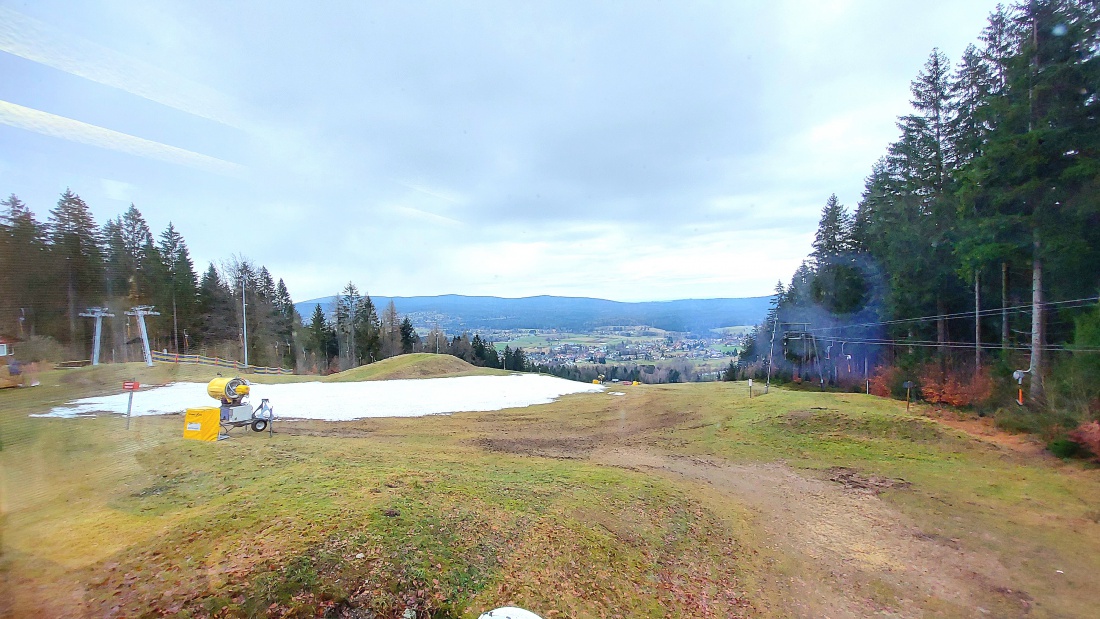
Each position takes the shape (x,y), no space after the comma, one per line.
(1088,436)
(882,379)
(955,387)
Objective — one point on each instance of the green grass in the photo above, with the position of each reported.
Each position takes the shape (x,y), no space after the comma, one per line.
(1035,510)
(416,365)
(456,514)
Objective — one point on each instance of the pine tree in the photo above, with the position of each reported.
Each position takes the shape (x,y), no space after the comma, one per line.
(997,48)
(833,236)
(216,308)
(143,259)
(347,319)
(879,194)
(1038,171)
(24,261)
(971,118)
(117,264)
(837,284)
(321,339)
(391,331)
(181,287)
(265,285)
(369,330)
(287,323)
(409,338)
(75,245)
(931,93)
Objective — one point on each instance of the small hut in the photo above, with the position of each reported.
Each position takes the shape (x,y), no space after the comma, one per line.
(11,375)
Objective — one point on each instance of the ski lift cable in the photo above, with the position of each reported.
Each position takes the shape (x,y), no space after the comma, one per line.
(967,345)
(985,312)
(967,314)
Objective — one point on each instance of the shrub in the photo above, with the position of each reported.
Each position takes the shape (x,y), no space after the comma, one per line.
(1087,435)
(884,381)
(1064,448)
(955,387)
(1017,421)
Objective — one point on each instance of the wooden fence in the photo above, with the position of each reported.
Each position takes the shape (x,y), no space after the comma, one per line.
(217,362)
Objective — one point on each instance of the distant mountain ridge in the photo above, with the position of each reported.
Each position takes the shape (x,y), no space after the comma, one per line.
(454,313)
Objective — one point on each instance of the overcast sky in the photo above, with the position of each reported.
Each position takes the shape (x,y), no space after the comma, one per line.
(630,151)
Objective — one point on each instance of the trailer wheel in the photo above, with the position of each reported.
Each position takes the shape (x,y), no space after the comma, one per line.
(259,425)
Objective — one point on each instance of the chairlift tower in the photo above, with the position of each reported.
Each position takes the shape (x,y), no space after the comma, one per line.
(141,312)
(787,335)
(98,313)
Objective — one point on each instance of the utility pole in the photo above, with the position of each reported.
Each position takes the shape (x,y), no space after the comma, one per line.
(244,319)
(771,353)
(977,322)
(1004,309)
(98,313)
(141,312)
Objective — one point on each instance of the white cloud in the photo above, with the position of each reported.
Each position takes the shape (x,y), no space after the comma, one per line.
(118,190)
(68,129)
(37,41)
(633,151)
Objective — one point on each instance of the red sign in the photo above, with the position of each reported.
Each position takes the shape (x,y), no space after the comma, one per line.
(130,385)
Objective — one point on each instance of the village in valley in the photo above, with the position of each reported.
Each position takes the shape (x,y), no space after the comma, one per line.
(614,344)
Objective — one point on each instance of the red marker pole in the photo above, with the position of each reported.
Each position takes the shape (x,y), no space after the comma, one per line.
(131,386)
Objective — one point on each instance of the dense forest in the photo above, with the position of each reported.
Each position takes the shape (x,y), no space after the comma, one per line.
(975,246)
(56,271)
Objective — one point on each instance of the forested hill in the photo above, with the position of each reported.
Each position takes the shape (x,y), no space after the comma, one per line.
(458,312)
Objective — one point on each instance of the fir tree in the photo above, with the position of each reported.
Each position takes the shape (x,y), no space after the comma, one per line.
(24,261)
(181,286)
(348,318)
(142,258)
(409,338)
(75,245)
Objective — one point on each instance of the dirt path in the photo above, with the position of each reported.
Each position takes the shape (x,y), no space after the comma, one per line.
(850,554)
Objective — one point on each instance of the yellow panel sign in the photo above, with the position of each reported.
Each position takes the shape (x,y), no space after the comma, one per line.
(202,424)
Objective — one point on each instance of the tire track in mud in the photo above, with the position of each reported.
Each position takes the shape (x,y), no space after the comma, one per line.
(852,555)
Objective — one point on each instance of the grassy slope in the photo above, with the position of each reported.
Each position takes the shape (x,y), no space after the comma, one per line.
(416,365)
(1037,513)
(454,513)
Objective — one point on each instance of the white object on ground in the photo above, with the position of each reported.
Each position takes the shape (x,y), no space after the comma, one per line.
(347,401)
(509,612)
(615,393)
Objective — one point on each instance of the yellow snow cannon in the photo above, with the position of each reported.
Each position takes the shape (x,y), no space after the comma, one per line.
(235,412)
(229,391)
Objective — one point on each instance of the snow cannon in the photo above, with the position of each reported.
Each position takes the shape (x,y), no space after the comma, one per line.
(230,391)
(235,412)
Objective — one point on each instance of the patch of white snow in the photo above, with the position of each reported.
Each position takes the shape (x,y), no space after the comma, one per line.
(346,401)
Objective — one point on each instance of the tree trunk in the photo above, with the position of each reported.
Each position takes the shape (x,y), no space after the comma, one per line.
(175,325)
(72,309)
(1004,308)
(1036,368)
(977,323)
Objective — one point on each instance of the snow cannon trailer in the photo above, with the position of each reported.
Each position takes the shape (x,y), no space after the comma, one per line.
(209,423)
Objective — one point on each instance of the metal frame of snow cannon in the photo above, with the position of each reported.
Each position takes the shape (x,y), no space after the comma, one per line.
(235,412)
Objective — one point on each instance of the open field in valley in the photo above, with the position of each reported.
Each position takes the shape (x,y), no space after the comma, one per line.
(687,500)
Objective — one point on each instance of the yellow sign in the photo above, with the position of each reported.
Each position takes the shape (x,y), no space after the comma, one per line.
(202,424)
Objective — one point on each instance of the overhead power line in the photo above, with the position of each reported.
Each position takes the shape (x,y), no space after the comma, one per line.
(968,345)
(985,312)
